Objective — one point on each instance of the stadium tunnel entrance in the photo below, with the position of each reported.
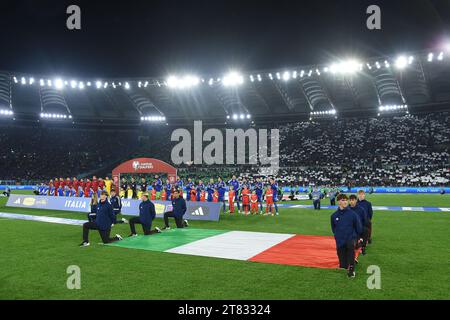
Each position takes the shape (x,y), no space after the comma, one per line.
(143,165)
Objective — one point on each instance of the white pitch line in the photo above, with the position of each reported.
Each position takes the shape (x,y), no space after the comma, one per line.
(27,217)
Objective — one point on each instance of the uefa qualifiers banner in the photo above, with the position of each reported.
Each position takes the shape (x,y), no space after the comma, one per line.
(50,203)
(195,210)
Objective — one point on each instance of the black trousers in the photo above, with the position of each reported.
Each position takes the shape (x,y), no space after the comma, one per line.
(369,232)
(178,220)
(104,234)
(333,201)
(365,236)
(147,228)
(316,204)
(346,255)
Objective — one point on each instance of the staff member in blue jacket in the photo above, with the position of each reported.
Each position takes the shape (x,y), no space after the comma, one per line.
(346,227)
(179,209)
(362,215)
(103,222)
(366,205)
(116,203)
(146,215)
(316,196)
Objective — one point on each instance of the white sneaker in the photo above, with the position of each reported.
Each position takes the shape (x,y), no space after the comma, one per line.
(118,236)
(158,229)
(186,223)
(124,220)
(85,244)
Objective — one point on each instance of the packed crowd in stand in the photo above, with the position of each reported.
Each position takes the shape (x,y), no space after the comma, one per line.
(407,150)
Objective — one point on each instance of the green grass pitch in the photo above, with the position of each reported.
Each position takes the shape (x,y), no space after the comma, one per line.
(411,249)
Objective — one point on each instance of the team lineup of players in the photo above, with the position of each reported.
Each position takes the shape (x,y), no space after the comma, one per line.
(251,194)
(351,223)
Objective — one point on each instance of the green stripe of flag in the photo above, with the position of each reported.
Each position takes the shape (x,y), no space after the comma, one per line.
(167,239)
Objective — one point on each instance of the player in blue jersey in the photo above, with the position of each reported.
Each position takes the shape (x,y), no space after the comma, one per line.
(236,187)
(259,188)
(221,189)
(188,188)
(210,190)
(158,187)
(200,187)
(168,188)
(274,187)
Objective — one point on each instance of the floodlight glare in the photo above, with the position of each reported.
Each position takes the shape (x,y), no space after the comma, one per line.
(286,76)
(59,84)
(401,62)
(98,84)
(232,79)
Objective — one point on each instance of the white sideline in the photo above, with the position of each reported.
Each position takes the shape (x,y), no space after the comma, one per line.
(16,216)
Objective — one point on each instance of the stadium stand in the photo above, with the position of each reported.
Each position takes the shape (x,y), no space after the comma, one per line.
(408,150)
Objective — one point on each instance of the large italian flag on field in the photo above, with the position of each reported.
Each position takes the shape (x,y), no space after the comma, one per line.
(289,249)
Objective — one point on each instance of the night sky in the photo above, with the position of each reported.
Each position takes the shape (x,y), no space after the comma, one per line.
(156,38)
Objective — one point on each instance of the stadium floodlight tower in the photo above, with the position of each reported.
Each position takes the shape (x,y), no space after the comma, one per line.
(185,82)
(6,113)
(323,113)
(394,108)
(55,116)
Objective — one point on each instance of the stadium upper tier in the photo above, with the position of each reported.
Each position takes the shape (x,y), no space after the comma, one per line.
(419,82)
(374,150)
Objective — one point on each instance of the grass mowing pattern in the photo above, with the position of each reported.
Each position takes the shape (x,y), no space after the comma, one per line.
(411,248)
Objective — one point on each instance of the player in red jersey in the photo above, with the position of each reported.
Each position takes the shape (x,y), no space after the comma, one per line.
(269,200)
(86,190)
(68,183)
(193,194)
(94,184)
(75,183)
(153,194)
(245,193)
(231,200)
(101,183)
(254,203)
(216,195)
(88,184)
(202,196)
(163,195)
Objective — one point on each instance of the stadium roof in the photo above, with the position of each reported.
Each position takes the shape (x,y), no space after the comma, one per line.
(414,82)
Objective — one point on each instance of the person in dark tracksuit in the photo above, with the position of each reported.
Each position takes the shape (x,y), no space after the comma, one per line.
(362,214)
(346,227)
(146,215)
(103,222)
(316,196)
(179,209)
(116,203)
(366,205)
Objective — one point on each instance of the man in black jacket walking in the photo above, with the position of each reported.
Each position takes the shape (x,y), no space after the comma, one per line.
(103,222)
(346,227)
(146,215)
